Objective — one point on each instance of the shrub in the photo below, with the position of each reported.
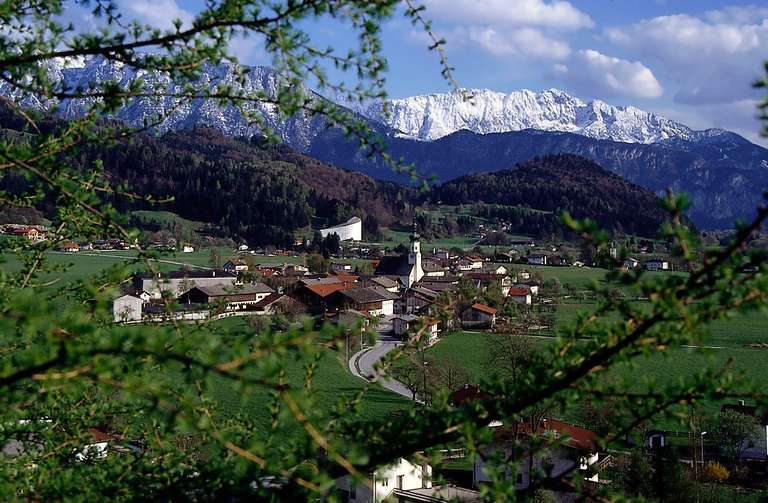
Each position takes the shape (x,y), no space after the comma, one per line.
(716,472)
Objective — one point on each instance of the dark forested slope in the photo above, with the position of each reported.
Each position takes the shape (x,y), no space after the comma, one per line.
(557,183)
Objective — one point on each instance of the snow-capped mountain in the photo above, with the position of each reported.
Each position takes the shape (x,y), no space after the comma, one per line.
(178,113)
(426,117)
(433,116)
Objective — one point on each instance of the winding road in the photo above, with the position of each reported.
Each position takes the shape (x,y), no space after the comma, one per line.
(362,365)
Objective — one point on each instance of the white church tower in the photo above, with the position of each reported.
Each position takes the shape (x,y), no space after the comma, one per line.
(414,258)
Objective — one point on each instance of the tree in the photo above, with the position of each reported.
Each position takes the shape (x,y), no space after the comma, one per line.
(410,374)
(732,431)
(509,353)
(317,264)
(66,367)
(215,259)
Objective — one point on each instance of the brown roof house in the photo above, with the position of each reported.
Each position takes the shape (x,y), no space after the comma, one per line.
(478,316)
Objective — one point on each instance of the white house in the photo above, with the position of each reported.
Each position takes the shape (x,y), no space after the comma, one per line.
(127,308)
(520,295)
(630,263)
(578,450)
(235,266)
(188,249)
(380,484)
(537,259)
(405,325)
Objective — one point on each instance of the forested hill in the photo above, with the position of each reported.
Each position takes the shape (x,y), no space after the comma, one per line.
(259,192)
(556,183)
(262,193)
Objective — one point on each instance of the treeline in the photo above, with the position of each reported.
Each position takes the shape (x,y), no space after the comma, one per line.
(558,183)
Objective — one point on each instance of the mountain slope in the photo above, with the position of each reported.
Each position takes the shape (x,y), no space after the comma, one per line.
(559,183)
(429,117)
(724,174)
(259,192)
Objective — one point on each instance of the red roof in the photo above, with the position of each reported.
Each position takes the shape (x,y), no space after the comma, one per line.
(578,438)
(324,290)
(519,292)
(483,308)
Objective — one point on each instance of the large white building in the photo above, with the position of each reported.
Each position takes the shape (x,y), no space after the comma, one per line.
(352,229)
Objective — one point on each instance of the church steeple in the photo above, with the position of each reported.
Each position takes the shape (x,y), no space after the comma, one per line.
(414,256)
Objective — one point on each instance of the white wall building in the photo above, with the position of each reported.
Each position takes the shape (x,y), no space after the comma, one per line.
(127,308)
(352,229)
(379,485)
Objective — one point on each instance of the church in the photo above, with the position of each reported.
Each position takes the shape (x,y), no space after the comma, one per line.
(408,268)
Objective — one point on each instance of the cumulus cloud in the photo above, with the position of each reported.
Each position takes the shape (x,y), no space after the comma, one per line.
(593,73)
(553,14)
(157,13)
(713,58)
(525,28)
(527,42)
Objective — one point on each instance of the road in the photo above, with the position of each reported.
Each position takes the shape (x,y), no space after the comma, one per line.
(362,365)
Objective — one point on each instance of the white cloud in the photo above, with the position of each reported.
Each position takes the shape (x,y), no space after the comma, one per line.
(594,74)
(712,58)
(157,13)
(552,14)
(527,42)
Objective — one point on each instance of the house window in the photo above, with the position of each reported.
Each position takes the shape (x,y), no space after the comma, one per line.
(399,481)
(384,482)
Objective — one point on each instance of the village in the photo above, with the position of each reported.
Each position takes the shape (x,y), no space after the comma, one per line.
(409,299)
(404,298)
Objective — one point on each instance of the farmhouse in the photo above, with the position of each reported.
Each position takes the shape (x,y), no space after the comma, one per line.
(404,325)
(478,316)
(318,296)
(579,451)
(176,283)
(69,247)
(236,298)
(373,300)
(521,295)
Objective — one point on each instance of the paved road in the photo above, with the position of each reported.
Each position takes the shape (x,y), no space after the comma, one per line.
(362,365)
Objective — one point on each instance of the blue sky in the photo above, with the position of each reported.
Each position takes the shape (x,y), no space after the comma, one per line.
(692,61)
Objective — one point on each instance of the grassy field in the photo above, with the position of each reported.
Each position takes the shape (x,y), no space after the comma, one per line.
(470,350)
(332,381)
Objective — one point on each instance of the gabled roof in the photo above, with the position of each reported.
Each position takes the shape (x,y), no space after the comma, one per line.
(483,308)
(326,289)
(384,282)
(578,438)
(367,295)
(519,292)
(330,280)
